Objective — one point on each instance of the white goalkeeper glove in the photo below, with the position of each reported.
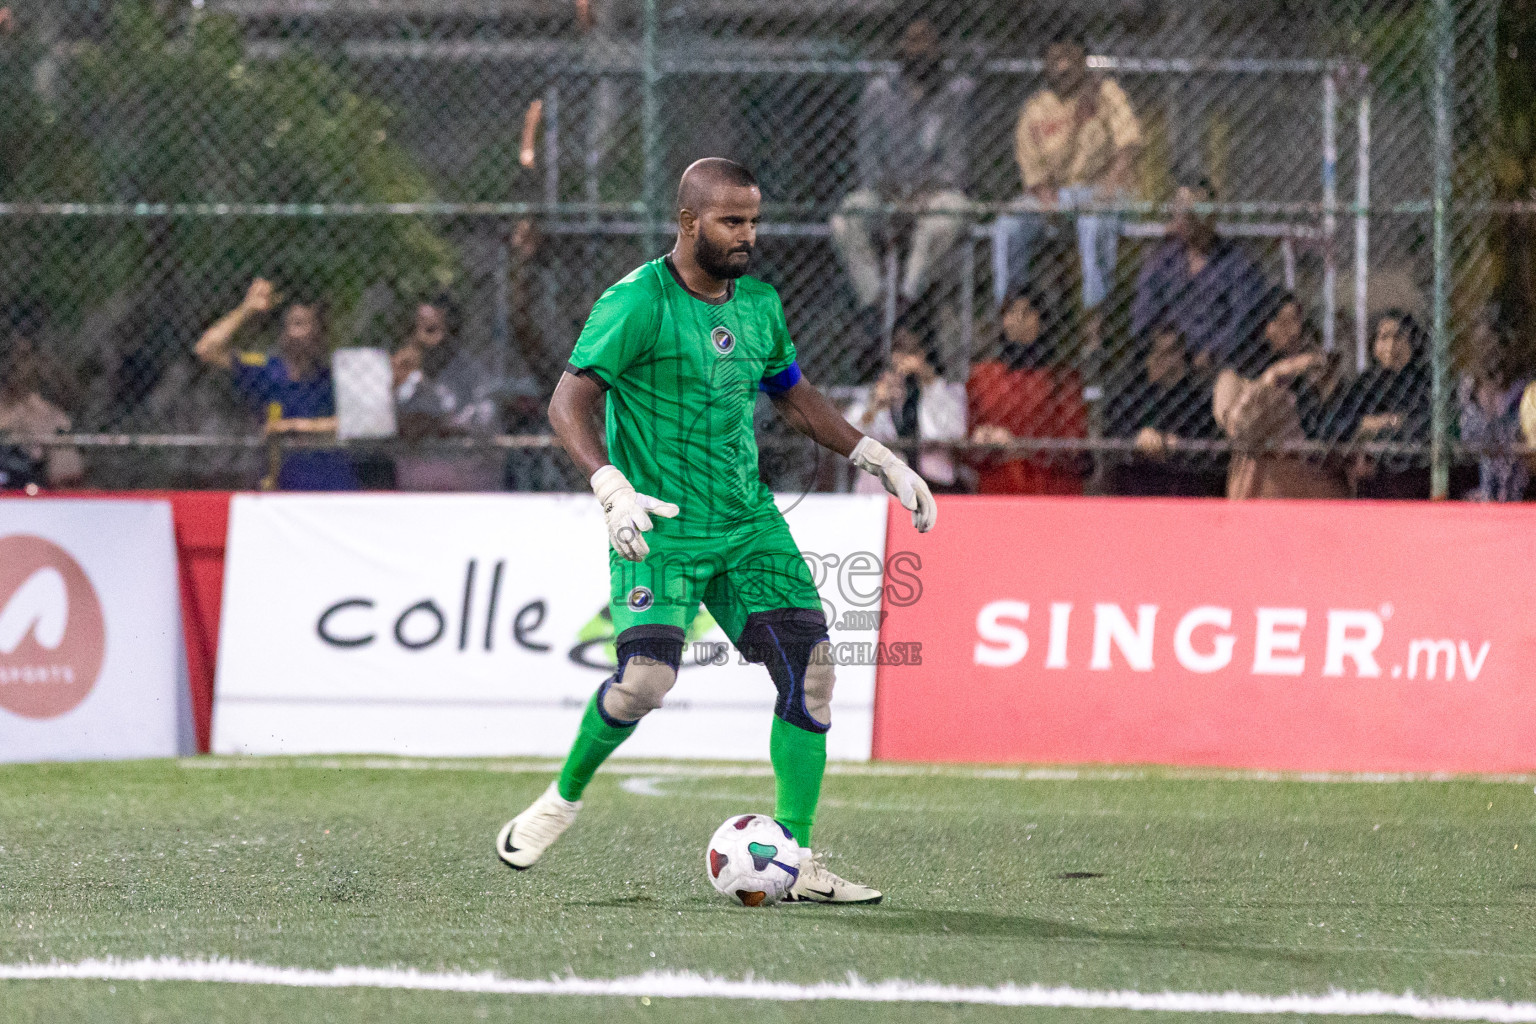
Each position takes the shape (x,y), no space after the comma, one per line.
(627,512)
(900,479)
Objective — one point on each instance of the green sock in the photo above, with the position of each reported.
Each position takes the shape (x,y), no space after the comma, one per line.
(594,742)
(799,761)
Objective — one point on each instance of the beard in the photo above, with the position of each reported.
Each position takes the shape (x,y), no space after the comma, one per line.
(721,263)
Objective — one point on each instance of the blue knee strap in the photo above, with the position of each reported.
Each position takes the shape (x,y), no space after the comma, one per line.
(782,640)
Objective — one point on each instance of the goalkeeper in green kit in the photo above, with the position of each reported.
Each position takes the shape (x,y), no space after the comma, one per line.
(678,351)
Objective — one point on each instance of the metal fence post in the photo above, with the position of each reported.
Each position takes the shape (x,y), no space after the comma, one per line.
(650,77)
(501,309)
(1330,208)
(1445,57)
(1363,227)
(552,145)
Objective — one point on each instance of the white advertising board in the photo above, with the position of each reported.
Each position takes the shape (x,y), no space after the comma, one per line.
(91,659)
(474,625)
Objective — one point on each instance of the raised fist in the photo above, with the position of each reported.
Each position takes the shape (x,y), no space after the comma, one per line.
(259,297)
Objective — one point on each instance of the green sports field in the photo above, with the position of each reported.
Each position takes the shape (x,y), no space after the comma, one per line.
(1096,880)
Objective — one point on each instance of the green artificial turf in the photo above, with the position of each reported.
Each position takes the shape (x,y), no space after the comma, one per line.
(1200,883)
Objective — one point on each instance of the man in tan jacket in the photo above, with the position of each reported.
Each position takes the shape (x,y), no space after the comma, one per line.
(1076,142)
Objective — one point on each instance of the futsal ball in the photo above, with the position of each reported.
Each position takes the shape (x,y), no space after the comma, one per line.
(753,860)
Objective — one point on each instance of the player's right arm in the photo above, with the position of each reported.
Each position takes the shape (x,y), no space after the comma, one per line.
(575,411)
(618,333)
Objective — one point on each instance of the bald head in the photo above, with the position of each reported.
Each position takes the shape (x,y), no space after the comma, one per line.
(718,207)
(708,182)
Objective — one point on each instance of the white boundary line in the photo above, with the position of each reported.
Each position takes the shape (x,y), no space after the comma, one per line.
(675,985)
(850,768)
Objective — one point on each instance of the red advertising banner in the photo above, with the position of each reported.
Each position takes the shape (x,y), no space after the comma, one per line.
(1304,636)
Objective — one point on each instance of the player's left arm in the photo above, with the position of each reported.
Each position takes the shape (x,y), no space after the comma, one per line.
(806,409)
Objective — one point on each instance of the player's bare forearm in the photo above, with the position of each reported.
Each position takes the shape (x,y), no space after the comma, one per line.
(808,411)
(575,410)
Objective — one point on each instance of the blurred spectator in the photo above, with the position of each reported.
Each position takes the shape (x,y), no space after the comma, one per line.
(536,466)
(1314,382)
(1528,416)
(1260,417)
(1166,405)
(1203,286)
(24,412)
(292,388)
(545,319)
(1488,399)
(441,390)
(1286,403)
(1389,403)
(1019,392)
(1076,143)
(910,404)
(25,322)
(912,147)
(544,323)
(145,344)
(1285,331)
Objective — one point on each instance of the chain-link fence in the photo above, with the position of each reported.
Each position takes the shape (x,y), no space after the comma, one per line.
(1125,246)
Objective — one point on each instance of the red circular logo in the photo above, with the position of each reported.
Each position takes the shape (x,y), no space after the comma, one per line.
(52,634)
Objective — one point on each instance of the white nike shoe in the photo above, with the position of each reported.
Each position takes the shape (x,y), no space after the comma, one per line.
(524,839)
(818,885)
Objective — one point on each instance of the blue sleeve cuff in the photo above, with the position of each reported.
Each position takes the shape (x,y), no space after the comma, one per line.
(781,381)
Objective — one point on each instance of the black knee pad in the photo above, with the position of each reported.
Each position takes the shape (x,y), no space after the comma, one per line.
(782,640)
(659,643)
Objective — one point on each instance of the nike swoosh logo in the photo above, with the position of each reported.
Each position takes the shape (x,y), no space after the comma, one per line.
(824,895)
(506,852)
(504,846)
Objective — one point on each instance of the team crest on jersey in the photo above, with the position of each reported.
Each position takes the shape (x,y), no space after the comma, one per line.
(723,340)
(640,599)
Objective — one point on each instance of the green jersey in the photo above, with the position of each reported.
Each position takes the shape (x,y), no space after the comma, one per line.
(682,374)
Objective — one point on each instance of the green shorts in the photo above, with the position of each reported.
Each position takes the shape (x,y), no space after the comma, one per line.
(753,568)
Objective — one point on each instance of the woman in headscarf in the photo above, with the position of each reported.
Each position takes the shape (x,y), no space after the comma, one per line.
(1488,398)
(1389,403)
(1282,407)
(1019,391)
